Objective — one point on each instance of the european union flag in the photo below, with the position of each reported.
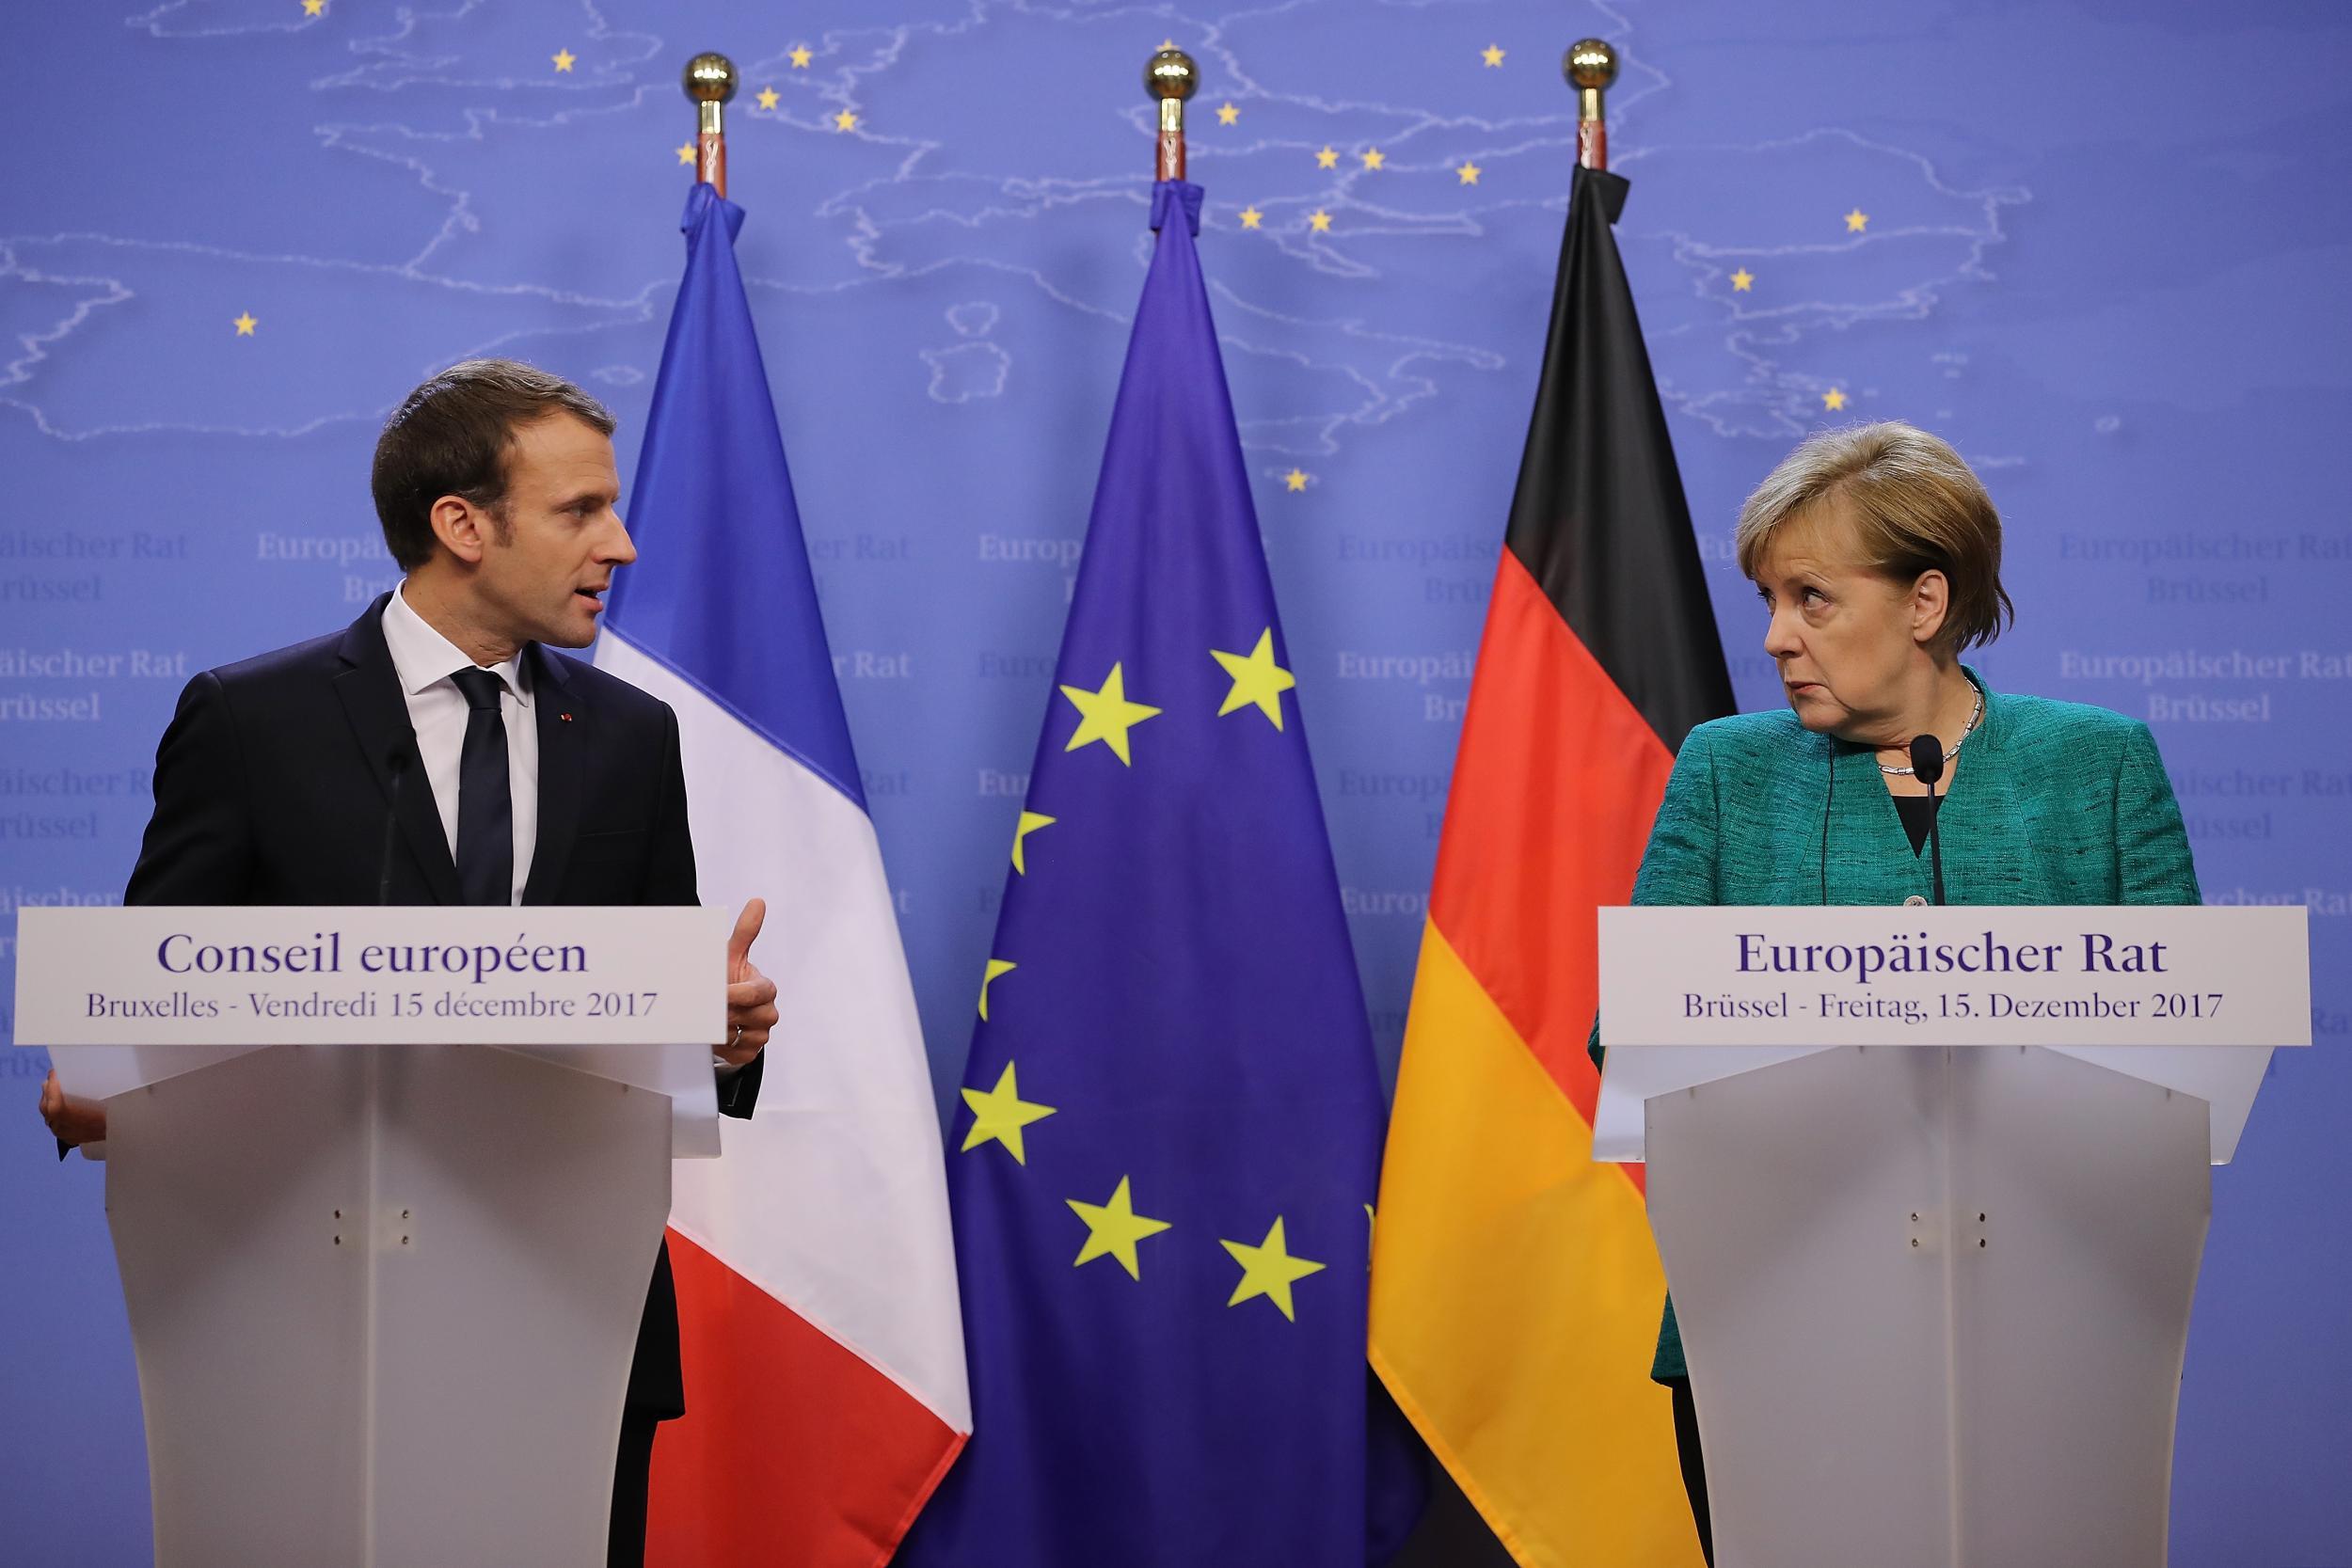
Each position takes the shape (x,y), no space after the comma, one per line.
(1163,1174)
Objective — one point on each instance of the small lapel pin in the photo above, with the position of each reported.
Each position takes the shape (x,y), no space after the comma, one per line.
(566,717)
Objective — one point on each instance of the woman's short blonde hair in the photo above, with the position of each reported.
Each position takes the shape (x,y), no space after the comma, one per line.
(1917,508)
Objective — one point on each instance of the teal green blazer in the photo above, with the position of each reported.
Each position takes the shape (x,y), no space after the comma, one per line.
(2051,804)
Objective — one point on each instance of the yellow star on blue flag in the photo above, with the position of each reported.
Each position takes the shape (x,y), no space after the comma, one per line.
(1257,679)
(1106,715)
(1113,1229)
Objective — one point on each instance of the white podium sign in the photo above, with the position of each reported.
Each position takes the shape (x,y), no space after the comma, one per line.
(2130,975)
(129,997)
(539,974)
(2186,999)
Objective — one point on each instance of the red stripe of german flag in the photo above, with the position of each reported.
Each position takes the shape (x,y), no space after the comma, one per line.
(1515,1290)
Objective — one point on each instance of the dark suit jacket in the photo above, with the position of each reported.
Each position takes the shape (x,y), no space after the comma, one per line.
(272,783)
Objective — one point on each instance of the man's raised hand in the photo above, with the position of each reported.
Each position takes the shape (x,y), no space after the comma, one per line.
(751,995)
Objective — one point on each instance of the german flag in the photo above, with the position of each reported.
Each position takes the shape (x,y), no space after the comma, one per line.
(1515,1290)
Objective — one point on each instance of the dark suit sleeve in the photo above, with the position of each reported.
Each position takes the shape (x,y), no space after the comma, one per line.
(738,1090)
(198,841)
(199,847)
(670,871)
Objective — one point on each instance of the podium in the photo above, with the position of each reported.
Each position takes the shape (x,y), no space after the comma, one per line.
(1930,1186)
(385,1187)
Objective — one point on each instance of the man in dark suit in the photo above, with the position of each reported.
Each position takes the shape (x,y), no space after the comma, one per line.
(436,751)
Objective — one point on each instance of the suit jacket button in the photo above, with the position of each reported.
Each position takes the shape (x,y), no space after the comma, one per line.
(1915,901)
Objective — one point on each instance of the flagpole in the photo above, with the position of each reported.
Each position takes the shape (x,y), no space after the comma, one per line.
(1590,65)
(1170,77)
(709,81)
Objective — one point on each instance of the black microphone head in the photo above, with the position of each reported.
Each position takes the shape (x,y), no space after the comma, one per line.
(1927,759)
(396,761)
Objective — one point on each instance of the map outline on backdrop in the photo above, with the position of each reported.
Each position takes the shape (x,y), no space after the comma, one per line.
(214,283)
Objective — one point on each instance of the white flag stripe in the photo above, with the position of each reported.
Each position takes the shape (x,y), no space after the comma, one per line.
(832,1197)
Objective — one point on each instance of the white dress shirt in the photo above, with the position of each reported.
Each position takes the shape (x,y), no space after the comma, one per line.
(424,660)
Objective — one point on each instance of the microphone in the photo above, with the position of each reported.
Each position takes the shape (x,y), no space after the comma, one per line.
(1927,765)
(396,760)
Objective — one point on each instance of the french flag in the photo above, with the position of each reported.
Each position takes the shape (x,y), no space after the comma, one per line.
(815,1274)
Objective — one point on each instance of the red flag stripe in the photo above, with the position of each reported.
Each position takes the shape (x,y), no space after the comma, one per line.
(810,1448)
(1558,778)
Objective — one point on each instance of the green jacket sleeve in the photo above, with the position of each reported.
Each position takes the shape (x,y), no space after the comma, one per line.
(2152,861)
(1678,867)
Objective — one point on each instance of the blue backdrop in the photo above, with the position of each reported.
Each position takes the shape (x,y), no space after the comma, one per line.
(2102,247)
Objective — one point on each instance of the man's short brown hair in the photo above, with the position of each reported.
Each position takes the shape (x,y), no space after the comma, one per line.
(1916,506)
(450,437)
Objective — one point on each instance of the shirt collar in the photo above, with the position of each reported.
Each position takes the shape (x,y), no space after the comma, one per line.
(423,657)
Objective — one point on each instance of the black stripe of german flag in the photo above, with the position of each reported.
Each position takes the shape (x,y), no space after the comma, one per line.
(1600,519)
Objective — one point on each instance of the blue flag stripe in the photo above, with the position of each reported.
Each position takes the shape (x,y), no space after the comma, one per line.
(731,609)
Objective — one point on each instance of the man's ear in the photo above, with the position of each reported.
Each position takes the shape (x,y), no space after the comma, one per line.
(463,527)
(1931,605)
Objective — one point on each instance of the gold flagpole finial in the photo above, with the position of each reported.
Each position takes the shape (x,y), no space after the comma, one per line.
(709,81)
(1590,65)
(1170,77)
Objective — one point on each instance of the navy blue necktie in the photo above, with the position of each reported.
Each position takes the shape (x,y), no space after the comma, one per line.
(485,798)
